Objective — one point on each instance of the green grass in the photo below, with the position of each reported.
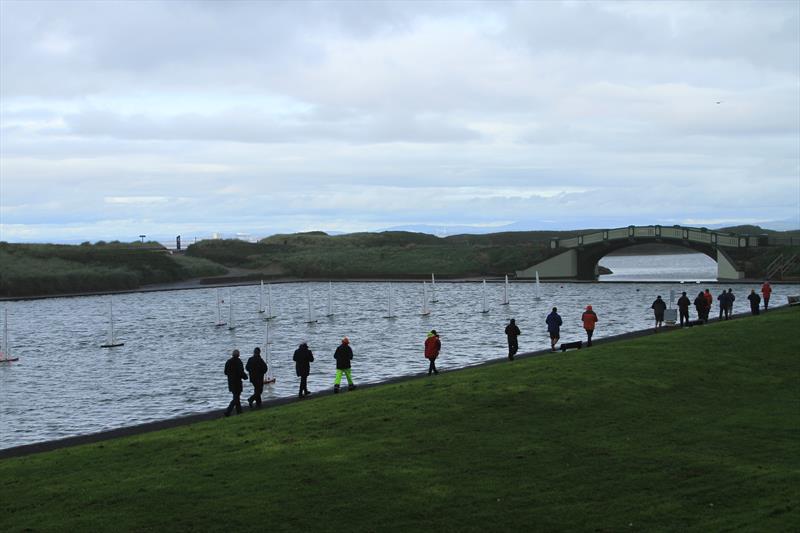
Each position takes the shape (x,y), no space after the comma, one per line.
(696,430)
(42,269)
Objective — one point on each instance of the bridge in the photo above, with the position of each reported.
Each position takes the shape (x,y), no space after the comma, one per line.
(578,257)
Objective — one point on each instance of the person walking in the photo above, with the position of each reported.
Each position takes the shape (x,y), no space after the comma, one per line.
(256,367)
(766,290)
(235,372)
(658,307)
(303,357)
(683,308)
(700,305)
(731,299)
(554,322)
(432,347)
(343,356)
(512,332)
(755,301)
(723,305)
(589,318)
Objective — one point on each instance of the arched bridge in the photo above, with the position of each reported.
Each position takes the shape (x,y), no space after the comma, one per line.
(577,257)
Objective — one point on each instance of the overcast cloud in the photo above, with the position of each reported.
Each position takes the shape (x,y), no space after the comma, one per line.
(165,118)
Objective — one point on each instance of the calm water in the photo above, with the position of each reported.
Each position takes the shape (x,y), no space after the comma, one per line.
(671,267)
(173,357)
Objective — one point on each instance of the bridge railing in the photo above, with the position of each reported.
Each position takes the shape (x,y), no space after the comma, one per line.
(698,235)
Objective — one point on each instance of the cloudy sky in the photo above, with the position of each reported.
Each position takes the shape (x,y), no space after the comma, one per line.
(193,117)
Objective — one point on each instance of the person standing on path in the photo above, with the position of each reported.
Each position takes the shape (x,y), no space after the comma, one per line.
(766,290)
(256,367)
(589,318)
(755,301)
(658,307)
(683,308)
(731,299)
(512,332)
(554,322)
(343,356)
(235,372)
(723,305)
(303,357)
(709,302)
(700,304)
(432,347)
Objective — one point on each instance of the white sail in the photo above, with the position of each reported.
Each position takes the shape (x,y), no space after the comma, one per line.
(330,299)
(231,322)
(538,294)
(505,292)
(111,342)
(311,317)
(389,306)
(425,309)
(484,308)
(433,289)
(219,311)
(5,349)
(270,376)
(270,315)
(261,298)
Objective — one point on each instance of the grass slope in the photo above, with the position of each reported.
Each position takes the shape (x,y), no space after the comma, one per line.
(696,430)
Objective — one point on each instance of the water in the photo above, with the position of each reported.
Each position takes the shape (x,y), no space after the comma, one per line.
(674,267)
(173,358)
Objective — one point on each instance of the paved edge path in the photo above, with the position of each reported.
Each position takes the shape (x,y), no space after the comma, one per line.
(147,427)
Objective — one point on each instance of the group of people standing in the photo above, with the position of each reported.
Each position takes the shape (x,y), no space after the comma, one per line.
(705,301)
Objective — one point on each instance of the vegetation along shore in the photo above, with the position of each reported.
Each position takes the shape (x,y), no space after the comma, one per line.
(696,430)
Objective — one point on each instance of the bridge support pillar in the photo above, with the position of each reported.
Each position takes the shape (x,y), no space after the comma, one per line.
(564,265)
(726,268)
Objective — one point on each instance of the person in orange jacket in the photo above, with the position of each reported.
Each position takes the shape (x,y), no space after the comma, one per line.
(589,318)
(766,290)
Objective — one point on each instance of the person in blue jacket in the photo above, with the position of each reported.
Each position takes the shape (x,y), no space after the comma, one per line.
(554,322)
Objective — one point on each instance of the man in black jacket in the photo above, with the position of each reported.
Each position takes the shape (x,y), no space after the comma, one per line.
(755,300)
(512,332)
(658,307)
(235,372)
(256,367)
(343,356)
(683,308)
(303,357)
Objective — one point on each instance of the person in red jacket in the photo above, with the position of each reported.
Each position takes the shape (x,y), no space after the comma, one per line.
(709,301)
(589,318)
(766,290)
(432,347)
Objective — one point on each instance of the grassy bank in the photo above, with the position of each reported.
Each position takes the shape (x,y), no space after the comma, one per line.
(40,269)
(694,430)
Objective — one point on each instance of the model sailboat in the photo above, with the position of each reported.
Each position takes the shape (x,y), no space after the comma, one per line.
(484,306)
(433,289)
(538,294)
(219,311)
(425,310)
(5,349)
(389,306)
(261,298)
(231,323)
(111,342)
(270,375)
(505,292)
(330,299)
(269,314)
(311,318)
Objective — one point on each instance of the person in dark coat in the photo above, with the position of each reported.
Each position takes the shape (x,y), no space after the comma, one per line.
(554,322)
(303,357)
(755,301)
(432,347)
(731,299)
(343,356)
(700,305)
(256,367)
(512,332)
(723,305)
(658,307)
(589,319)
(683,308)
(235,372)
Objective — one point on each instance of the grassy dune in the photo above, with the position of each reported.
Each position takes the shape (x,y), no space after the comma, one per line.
(696,430)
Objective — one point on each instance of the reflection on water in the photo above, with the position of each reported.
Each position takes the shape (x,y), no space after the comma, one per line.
(664,267)
(173,357)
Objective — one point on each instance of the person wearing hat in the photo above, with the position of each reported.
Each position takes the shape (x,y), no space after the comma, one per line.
(589,318)
(256,367)
(658,307)
(432,347)
(512,332)
(235,372)
(554,322)
(343,356)
(303,357)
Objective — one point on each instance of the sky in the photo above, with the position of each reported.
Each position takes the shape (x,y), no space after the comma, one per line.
(122,118)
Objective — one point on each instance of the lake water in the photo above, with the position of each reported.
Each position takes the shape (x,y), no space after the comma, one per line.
(173,357)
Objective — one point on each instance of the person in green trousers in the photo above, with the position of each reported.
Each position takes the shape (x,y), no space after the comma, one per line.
(343,356)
